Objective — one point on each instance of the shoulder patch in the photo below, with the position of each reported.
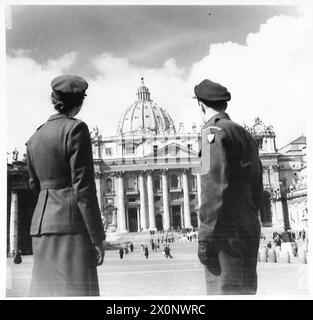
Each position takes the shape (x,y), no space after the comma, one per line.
(209,133)
(210,136)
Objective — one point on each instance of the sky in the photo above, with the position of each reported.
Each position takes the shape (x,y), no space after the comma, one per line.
(260,53)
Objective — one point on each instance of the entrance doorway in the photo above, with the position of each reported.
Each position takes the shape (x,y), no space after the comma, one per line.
(194,220)
(159,222)
(176,216)
(132,220)
(265,210)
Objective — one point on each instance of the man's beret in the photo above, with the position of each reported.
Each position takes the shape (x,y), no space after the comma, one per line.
(69,84)
(210,91)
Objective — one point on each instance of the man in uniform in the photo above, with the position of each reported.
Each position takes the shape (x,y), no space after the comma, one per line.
(231,193)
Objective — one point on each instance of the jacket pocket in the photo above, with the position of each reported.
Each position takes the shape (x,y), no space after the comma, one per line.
(56,217)
(39,212)
(75,215)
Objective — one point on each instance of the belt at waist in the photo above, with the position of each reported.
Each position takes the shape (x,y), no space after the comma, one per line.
(56,183)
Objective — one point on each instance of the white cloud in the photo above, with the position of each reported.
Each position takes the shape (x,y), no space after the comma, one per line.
(267,77)
(28,94)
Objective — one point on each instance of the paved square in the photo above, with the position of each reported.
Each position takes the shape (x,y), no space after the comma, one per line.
(134,275)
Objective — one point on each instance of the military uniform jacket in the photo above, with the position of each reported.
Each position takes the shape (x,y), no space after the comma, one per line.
(61,173)
(231,183)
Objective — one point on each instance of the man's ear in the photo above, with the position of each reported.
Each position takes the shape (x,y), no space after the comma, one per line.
(203,108)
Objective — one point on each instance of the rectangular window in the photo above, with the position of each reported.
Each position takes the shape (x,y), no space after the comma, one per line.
(260,143)
(295,147)
(157,185)
(110,201)
(174,181)
(193,182)
(130,148)
(131,183)
(108,151)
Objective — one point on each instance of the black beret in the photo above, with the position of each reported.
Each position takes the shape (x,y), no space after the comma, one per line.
(210,91)
(69,84)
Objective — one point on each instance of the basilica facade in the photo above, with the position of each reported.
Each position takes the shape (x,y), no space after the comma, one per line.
(147,174)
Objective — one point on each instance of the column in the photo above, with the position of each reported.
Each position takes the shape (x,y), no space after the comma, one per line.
(14,223)
(143,219)
(114,219)
(151,202)
(199,195)
(99,191)
(166,215)
(284,204)
(273,212)
(187,218)
(121,218)
(138,221)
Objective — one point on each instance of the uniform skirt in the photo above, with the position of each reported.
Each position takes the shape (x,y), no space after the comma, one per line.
(64,265)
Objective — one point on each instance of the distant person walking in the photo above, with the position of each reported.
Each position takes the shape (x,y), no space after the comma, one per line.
(146,252)
(167,251)
(17,257)
(121,252)
(277,240)
(131,247)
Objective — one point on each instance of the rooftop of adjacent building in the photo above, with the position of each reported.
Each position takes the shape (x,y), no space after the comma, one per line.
(296,146)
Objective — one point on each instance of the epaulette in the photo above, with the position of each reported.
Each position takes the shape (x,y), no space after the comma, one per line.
(214,127)
(40,127)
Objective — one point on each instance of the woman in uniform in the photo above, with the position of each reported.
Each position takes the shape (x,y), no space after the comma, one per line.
(66,229)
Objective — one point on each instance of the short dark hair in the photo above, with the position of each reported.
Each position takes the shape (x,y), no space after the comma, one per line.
(64,103)
(220,105)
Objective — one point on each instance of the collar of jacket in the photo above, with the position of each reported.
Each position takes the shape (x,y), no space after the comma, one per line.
(58,116)
(212,121)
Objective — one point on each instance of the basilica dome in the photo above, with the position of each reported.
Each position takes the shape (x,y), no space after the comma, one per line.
(144,116)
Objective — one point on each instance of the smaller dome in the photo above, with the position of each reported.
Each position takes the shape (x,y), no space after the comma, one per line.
(260,129)
(145,116)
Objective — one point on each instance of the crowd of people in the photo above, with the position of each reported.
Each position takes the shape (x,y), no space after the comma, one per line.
(161,243)
(288,239)
(129,247)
